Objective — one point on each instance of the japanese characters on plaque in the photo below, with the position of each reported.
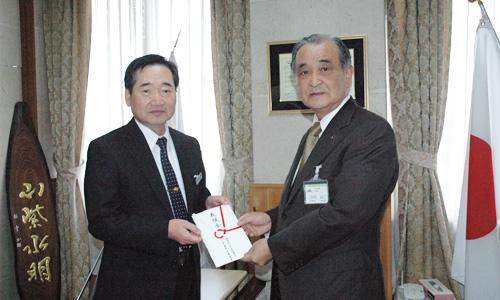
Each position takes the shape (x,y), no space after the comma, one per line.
(32,212)
(31,219)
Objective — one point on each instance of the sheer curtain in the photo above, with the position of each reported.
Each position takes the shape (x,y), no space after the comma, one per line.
(451,155)
(124,30)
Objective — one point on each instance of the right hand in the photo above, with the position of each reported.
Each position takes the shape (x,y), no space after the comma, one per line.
(255,223)
(183,232)
(259,254)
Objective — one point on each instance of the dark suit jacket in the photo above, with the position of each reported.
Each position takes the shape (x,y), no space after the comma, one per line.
(128,208)
(331,251)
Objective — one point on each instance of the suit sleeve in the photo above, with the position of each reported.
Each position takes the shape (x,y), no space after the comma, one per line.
(367,176)
(108,220)
(273,214)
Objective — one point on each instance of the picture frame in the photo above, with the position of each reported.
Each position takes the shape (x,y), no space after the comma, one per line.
(282,93)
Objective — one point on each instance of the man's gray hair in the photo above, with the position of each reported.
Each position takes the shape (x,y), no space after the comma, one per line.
(344,54)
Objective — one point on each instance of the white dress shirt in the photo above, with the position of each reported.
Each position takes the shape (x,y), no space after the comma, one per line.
(151,139)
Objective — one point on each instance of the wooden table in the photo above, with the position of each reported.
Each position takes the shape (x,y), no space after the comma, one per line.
(218,284)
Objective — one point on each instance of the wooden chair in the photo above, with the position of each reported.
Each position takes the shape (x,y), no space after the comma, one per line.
(264,196)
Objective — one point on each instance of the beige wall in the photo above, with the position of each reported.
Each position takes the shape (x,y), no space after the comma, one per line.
(276,137)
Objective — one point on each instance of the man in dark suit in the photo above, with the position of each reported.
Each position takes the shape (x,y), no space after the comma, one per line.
(141,190)
(324,236)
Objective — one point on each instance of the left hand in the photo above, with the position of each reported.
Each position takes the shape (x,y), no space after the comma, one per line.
(183,232)
(213,201)
(259,254)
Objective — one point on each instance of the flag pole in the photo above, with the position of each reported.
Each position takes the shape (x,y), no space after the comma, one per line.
(90,274)
(175,45)
(485,15)
(177,39)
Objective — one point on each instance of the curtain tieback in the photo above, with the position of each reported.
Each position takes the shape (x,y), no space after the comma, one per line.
(419,158)
(71,173)
(235,166)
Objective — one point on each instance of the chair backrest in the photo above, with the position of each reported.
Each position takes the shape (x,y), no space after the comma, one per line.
(264,196)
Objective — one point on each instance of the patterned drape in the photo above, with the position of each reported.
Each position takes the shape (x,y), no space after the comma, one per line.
(419,34)
(66,28)
(232,80)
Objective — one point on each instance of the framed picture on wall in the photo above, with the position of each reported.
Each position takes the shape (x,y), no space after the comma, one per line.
(282,91)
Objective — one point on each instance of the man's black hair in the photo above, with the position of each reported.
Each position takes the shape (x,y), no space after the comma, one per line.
(144,61)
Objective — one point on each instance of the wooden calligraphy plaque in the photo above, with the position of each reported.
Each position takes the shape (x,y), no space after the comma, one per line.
(32,212)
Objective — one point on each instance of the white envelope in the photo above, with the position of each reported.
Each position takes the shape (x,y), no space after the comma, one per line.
(222,237)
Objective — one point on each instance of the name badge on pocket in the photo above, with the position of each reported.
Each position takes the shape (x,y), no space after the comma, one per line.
(316,189)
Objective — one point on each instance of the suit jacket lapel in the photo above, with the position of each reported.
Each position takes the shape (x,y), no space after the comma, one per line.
(145,163)
(289,179)
(329,139)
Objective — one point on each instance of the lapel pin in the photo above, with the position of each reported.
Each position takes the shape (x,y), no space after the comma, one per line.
(198,178)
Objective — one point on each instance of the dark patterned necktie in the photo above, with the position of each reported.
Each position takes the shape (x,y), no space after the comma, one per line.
(174,192)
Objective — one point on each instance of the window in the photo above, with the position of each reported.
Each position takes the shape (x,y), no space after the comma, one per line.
(451,155)
(125,30)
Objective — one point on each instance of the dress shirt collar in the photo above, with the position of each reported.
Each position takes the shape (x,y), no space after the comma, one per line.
(151,136)
(326,119)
